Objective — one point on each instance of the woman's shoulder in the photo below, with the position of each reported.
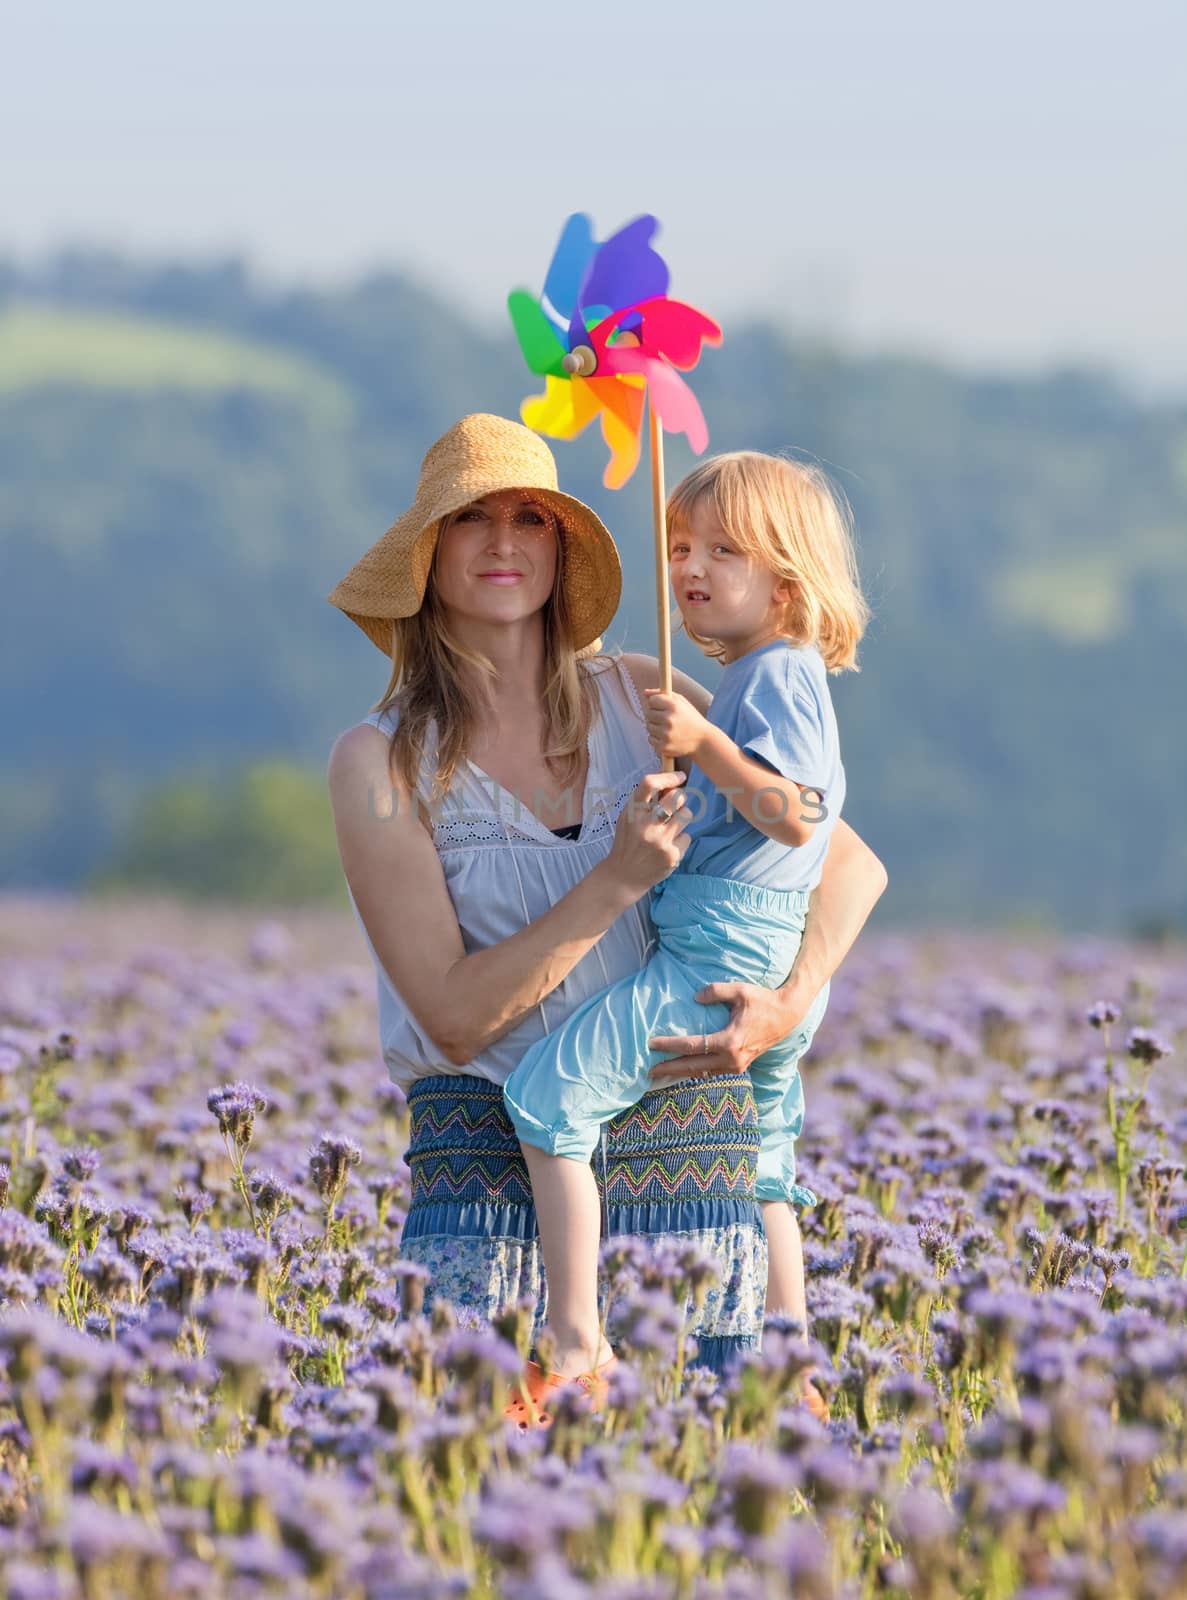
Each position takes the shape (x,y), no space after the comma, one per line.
(360,762)
(386,719)
(612,675)
(357,745)
(643,673)
(642,670)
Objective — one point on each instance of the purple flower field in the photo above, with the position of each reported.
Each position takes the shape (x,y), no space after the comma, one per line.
(214,1380)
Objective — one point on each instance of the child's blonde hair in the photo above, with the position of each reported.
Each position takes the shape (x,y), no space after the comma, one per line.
(786,515)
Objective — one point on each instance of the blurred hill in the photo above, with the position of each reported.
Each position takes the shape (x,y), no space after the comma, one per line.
(189,461)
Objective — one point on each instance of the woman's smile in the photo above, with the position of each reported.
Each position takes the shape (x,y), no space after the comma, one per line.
(506,540)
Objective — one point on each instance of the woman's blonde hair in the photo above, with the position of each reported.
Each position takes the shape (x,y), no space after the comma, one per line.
(431,691)
(786,515)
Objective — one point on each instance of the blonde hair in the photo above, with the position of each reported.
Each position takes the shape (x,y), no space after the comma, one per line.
(430,690)
(786,515)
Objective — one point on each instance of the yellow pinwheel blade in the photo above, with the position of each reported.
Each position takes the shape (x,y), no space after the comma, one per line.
(563,410)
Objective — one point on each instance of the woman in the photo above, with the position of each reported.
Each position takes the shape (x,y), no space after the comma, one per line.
(500,825)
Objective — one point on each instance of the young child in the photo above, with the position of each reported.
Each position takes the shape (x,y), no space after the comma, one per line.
(765,576)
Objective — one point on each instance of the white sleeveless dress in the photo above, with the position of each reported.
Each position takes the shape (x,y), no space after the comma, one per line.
(504,867)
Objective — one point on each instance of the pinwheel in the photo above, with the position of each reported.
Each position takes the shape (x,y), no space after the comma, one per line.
(605,337)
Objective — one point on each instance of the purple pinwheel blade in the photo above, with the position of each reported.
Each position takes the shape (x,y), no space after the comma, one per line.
(625,269)
(570,261)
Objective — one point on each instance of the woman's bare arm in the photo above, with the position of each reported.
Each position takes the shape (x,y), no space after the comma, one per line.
(852,880)
(462,1001)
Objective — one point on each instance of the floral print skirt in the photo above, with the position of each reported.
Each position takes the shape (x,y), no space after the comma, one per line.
(676,1169)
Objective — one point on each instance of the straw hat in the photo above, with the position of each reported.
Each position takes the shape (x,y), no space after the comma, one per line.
(479,455)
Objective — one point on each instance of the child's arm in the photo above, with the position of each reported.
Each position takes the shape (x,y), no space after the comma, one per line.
(767,800)
(644,671)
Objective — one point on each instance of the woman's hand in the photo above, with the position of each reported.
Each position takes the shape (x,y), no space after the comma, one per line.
(649,837)
(674,725)
(759,1018)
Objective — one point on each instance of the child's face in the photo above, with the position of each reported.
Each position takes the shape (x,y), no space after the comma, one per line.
(722,593)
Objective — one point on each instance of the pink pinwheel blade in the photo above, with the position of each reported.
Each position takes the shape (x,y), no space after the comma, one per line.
(675,404)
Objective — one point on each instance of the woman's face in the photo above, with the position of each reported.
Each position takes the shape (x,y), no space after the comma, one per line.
(497,558)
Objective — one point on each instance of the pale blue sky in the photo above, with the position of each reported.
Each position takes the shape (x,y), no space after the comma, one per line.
(1002,186)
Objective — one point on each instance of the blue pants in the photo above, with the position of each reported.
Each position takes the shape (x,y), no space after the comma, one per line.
(598,1062)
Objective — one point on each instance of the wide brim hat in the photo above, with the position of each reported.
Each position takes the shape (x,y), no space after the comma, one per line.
(478,456)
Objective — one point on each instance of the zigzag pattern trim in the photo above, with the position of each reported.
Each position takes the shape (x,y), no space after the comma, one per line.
(429,1118)
(707,1111)
(656,1175)
(430,1181)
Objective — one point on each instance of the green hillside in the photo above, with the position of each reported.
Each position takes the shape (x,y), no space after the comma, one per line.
(46,345)
(188,463)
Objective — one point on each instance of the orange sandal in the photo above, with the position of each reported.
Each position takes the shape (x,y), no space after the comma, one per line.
(535,1387)
(814,1399)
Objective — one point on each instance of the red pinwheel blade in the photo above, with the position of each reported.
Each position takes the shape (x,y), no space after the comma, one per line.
(676,331)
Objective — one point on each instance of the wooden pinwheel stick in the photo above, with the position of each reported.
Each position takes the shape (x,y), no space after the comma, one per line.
(582,362)
(660,520)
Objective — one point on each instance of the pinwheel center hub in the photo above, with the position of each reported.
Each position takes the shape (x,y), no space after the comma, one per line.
(580,361)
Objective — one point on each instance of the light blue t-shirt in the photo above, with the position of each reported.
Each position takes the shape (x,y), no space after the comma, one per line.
(774,704)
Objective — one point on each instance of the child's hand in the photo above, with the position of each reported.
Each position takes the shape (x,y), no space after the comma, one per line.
(674,725)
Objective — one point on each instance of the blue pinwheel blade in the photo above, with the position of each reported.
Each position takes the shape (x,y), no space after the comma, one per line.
(570,261)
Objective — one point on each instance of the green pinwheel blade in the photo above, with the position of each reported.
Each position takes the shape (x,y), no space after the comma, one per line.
(538,339)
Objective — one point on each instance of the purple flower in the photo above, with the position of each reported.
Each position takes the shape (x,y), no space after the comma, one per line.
(1147,1047)
(236,1106)
(1102,1013)
(922,1520)
(1001,1490)
(330,1161)
(81,1164)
